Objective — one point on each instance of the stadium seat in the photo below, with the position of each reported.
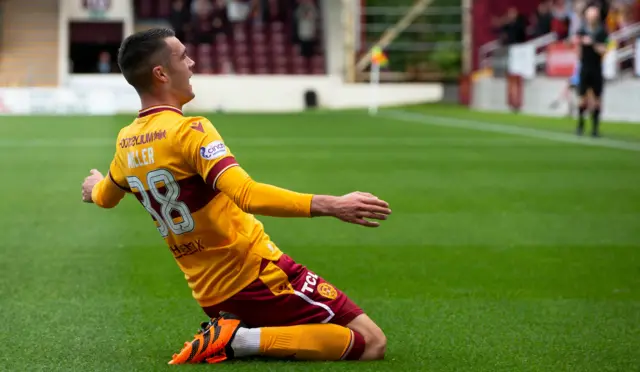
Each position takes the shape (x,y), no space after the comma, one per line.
(258,38)
(278,37)
(144,8)
(204,58)
(191,50)
(163,8)
(318,62)
(261,65)
(260,49)
(242,65)
(241,49)
(257,47)
(280,65)
(277,27)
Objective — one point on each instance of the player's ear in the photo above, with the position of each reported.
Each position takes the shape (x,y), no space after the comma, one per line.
(160,74)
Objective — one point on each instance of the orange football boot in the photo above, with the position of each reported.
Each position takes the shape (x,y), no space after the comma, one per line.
(212,344)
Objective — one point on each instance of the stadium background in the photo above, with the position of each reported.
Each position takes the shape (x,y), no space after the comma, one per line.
(514,245)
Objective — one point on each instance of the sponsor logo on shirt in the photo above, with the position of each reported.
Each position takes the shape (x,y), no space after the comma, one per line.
(213,150)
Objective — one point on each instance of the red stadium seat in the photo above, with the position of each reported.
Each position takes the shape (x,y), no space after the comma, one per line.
(242,65)
(222,47)
(299,71)
(258,38)
(163,8)
(318,61)
(278,37)
(241,49)
(145,8)
(260,50)
(277,27)
(261,63)
(191,50)
(207,69)
(257,47)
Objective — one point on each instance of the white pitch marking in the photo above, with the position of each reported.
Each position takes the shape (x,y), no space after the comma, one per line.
(482,126)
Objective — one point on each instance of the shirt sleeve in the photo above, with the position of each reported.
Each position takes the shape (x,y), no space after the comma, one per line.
(203,148)
(106,193)
(117,177)
(263,199)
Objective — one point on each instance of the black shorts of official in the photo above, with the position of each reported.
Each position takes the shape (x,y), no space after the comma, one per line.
(593,81)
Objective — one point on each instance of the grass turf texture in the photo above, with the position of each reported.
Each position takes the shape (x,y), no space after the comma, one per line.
(504,253)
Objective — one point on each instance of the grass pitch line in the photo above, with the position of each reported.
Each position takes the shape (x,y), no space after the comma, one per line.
(443,121)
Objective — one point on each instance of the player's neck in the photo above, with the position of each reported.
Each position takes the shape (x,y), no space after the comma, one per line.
(148,101)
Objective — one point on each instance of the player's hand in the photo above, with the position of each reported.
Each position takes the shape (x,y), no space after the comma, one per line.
(587,40)
(89,183)
(360,208)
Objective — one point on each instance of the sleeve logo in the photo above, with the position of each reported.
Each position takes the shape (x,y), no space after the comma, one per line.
(213,150)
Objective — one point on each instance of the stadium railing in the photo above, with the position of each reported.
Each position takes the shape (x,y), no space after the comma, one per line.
(625,43)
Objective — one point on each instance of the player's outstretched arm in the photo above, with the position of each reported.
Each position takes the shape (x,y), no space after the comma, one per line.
(101,191)
(267,200)
(203,148)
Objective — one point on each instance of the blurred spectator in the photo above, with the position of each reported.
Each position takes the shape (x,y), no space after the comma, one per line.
(560,21)
(238,10)
(105,65)
(179,18)
(575,17)
(220,18)
(201,8)
(290,25)
(541,20)
(621,14)
(202,23)
(512,27)
(306,16)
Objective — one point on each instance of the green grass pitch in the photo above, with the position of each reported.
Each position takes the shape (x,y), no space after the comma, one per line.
(506,251)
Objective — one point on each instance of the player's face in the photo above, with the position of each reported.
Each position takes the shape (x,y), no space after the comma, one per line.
(181,70)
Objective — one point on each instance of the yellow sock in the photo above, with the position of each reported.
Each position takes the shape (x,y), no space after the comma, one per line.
(311,342)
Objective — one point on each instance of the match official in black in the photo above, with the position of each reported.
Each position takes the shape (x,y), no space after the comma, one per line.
(592,39)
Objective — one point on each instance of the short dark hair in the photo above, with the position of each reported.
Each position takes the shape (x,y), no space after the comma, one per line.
(139,53)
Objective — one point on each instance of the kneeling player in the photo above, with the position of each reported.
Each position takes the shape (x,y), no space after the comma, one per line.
(203,204)
(592,38)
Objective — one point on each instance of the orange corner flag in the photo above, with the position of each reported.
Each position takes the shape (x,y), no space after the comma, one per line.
(378,57)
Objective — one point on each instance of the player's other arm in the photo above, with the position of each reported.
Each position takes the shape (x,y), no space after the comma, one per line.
(101,191)
(267,200)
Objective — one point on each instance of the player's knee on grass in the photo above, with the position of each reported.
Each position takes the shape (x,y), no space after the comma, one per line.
(375,340)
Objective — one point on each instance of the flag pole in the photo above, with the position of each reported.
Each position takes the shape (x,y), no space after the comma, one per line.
(374,83)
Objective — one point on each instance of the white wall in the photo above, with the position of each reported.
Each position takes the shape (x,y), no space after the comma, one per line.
(108,94)
(620,100)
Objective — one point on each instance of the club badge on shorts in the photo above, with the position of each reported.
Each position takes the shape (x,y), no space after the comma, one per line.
(327,290)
